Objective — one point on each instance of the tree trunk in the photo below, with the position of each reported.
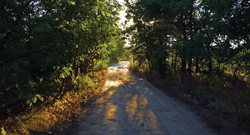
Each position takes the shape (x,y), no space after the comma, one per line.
(183,69)
(191,30)
(172,59)
(197,65)
(33,70)
(183,65)
(161,67)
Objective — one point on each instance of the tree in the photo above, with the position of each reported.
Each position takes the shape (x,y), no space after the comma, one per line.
(43,44)
(209,31)
(174,19)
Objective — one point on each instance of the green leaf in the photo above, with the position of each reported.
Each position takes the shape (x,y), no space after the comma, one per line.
(3,132)
(72,2)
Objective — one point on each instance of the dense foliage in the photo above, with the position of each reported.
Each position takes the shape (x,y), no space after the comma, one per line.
(182,35)
(199,48)
(45,44)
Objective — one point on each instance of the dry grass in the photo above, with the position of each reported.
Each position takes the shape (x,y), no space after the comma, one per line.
(57,117)
(54,117)
(223,98)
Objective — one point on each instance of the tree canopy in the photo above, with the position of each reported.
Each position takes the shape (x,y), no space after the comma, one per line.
(45,44)
(182,34)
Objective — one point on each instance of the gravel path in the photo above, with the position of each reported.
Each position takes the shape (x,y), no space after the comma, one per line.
(131,106)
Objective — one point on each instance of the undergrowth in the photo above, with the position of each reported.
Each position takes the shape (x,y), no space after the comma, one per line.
(134,66)
(53,117)
(224,97)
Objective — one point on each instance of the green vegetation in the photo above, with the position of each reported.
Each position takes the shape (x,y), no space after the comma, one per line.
(53,55)
(202,46)
(58,116)
(51,48)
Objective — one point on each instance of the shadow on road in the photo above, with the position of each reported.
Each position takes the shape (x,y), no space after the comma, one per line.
(129,105)
(122,110)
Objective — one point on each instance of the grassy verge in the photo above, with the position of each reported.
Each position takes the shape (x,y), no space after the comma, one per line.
(223,102)
(58,116)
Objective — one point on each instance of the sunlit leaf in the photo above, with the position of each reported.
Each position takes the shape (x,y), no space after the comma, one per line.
(72,2)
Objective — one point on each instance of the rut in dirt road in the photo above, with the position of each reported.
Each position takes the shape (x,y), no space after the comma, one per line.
(131,106)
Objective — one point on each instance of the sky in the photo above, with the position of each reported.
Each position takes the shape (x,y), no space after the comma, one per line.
(123,14)
(123,19)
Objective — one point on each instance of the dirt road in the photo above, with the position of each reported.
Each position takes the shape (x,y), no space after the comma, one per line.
(131,106)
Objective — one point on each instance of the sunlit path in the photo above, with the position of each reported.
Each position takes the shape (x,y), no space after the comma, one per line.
(131,106)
